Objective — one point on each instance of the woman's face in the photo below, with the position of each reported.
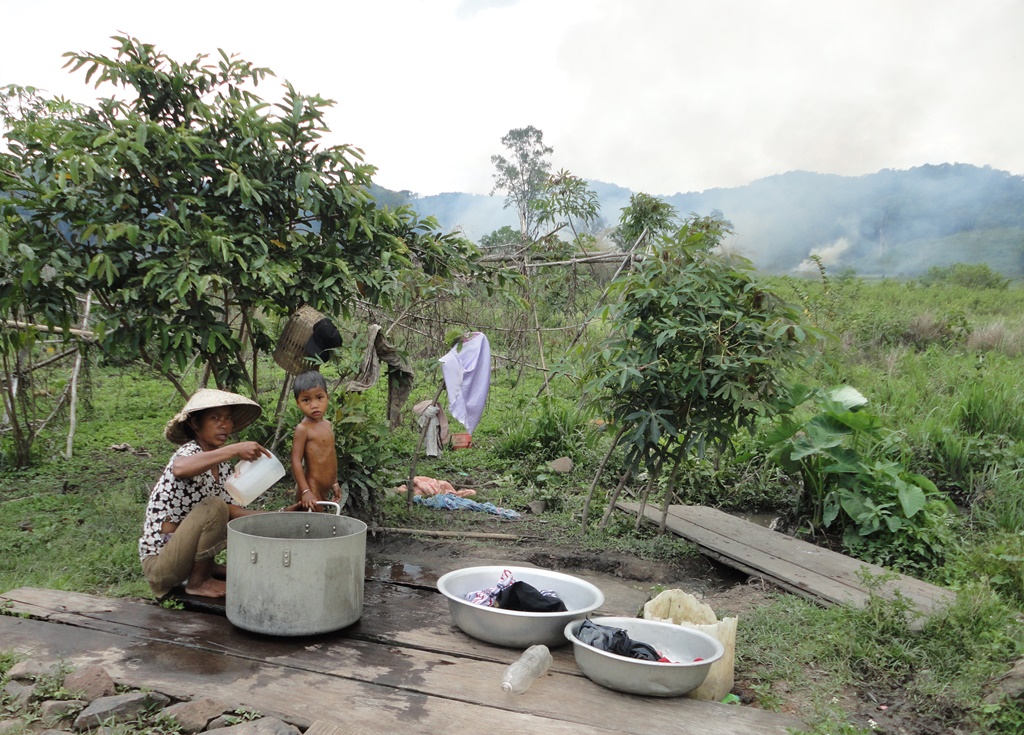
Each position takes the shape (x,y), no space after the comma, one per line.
(213,427)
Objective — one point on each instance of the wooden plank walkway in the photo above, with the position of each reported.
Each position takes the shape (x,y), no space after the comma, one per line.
(403,667)
(811,571)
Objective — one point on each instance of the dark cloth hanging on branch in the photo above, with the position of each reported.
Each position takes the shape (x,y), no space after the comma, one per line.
(400,375)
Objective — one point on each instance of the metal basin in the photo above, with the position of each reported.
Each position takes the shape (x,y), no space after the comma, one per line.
(295,574)
(649,678)
(513,628)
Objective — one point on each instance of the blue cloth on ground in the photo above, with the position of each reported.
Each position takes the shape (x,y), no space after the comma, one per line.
(454,502)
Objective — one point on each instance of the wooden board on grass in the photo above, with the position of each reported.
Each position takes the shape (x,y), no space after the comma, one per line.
(800,567)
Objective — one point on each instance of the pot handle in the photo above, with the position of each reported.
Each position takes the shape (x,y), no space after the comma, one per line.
(337,506)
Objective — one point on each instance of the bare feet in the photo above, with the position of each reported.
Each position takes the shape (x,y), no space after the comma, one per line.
(210,588)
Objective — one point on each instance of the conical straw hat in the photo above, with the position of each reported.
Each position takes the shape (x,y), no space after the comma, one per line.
(243,410)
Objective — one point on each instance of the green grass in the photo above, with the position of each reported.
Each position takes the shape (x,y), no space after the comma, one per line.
(939,673)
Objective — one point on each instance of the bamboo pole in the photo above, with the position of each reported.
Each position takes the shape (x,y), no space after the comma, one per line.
(409,491)
(56,408)
(457,534)
(279,413)
(597,258)
(73,419)
(83,333)
(536,326)
(55,358)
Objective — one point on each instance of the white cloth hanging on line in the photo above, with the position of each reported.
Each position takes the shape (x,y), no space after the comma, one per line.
(434,422)
(467,378)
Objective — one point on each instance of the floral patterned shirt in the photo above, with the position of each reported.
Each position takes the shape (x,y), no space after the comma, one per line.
(173,497)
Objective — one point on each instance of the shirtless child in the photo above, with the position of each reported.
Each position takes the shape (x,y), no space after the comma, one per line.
(313,445)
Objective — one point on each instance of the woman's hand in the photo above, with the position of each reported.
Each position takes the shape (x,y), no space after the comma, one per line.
(249,451)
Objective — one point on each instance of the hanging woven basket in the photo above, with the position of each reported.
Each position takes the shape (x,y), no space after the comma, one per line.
(290,353)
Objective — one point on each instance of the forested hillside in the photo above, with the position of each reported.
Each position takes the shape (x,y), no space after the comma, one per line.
(890,223)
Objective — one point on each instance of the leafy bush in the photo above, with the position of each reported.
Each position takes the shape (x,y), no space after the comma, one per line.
(365,455)
(557,429)
(967,275)
(888,514)
(696,350)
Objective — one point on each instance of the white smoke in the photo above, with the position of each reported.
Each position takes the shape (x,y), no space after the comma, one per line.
(829,255)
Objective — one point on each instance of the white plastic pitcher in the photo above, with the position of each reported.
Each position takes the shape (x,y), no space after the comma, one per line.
(251,479)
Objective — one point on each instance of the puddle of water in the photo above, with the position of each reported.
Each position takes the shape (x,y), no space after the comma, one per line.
(400,572)
(761,519)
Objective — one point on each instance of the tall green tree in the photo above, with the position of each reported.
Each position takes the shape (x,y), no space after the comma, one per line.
(523,175)
(644,214)
(694,350)
(502,240)
(567,200)
(194,210)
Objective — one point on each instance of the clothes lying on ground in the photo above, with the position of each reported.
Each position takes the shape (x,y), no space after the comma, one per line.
(430,486)
(510,594)
(617,641)
(454,502)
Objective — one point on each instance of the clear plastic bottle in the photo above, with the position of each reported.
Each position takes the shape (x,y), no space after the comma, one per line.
(531,665)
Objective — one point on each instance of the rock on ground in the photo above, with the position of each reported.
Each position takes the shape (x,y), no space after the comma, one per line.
(97,706)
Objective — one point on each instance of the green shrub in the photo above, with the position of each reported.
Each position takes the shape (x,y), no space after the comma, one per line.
(366,457)
(967,275)
(888,514)
(556,429)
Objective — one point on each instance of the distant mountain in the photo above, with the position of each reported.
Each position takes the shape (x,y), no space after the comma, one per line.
(890,223)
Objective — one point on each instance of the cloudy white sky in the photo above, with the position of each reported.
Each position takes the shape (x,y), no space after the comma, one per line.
(660,96)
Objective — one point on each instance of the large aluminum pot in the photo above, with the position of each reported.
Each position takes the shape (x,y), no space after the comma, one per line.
(295,573)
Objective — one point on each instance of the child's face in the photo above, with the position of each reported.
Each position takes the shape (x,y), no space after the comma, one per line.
(312,403)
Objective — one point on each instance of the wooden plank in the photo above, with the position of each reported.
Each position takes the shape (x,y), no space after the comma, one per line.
(393,615)
(323,727)
(798,566)
(801,567)
(809,556)
(434,673)
(297,696)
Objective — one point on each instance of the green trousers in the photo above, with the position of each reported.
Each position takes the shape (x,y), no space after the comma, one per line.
(202,535)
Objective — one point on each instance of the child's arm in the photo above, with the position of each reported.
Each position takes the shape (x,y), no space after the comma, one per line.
(305,496)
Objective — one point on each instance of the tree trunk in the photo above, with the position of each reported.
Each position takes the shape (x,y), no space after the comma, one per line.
(615,496)
(597,477)
(655,473)
(669,493)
